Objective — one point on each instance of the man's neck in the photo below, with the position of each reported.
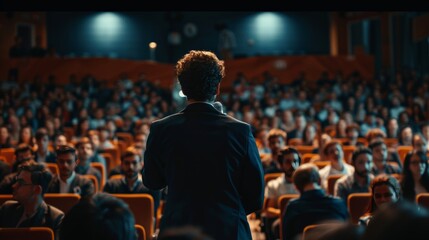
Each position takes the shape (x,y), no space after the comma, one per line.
(311,186)
(30,207)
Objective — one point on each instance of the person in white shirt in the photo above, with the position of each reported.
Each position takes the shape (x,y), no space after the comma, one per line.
(289,160)
(334,153)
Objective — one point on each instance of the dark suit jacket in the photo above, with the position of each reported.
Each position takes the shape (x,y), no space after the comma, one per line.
(80,185)
(211,165)
(46,216)
(312,207)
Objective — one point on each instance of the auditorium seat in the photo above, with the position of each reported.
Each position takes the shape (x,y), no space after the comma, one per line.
(422,199)
(282,203)
(332,179)
(141,233)
(8,154)
(142,206)
(62,201)
(32,233)
(100,167)
(357,204)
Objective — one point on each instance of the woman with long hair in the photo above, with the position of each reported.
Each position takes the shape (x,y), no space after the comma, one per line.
(385,189)
(415,176)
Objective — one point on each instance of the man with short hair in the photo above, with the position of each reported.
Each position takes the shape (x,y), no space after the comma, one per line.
(131,182)
(276,141)
(360,180)
(313,206)
(43,155)
(334,153)
(381,165)
(85,153)
(23,154)
(289,160)
(29,209)
(68,181)
(208,160)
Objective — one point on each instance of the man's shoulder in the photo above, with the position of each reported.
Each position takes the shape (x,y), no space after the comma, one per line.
(10,204)
(176,117)
(167,119)
(55,211)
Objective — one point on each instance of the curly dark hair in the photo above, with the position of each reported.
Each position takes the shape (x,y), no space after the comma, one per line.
(199,74)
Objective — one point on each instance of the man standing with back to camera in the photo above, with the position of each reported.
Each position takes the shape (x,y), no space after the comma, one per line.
(208,160)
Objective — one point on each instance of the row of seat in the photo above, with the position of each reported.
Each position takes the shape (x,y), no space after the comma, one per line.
(142,206)
(45,233)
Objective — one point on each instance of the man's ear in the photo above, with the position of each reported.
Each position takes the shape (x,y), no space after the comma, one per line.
(38,189)
(218,90)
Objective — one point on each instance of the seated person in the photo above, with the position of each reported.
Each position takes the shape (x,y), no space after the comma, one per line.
(29,209)
(397,221)
(276,141)
(313,206)
(101,217)
(381,165)
(415,176)
(289,160)
(334,153)
(85,153)
(23,153)
(68,181)
(384,189)
(376,134)
(131,182)
(360,180)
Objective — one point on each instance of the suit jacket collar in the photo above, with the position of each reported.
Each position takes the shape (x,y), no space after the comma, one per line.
(38,218)
(200,107)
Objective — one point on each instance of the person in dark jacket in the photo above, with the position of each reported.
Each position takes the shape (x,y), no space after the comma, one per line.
(131,182)
(68,181)
(28,209)
(208,160)
(313,206)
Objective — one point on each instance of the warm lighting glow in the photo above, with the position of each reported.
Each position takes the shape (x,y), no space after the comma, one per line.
(152,45)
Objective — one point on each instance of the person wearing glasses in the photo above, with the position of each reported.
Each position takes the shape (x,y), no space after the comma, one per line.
(23,155)
(415,177)
(28,209)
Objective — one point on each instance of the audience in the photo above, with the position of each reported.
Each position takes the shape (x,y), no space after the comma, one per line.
(36,104)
